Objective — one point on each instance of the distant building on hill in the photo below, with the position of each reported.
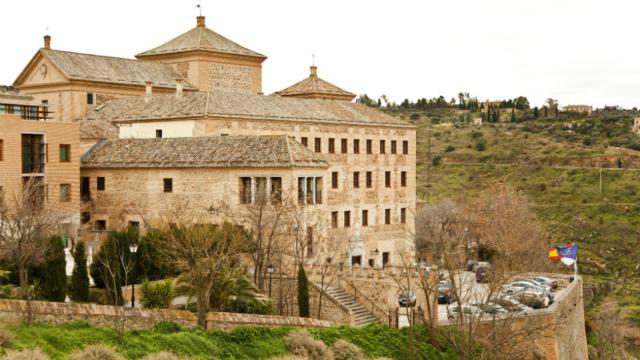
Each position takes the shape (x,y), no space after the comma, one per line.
(588,109)
(636,125)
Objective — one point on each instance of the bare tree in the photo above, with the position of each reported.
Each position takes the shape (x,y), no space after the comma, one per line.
(25,226)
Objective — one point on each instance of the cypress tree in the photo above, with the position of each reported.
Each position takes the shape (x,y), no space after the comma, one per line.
(54,276)
(536,114)
(513,117)
(80,278)
(303,293)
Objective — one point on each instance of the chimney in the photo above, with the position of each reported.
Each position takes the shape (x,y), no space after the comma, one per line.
(47,42)
(149,91)
(179,86)
(313,71)
(200,21)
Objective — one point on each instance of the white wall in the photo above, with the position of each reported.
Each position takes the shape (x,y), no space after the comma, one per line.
(170,129)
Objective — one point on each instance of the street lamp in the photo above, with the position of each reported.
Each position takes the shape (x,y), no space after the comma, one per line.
(270,271)
(133,248)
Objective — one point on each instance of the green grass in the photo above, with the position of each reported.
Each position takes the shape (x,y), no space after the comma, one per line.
(58,341)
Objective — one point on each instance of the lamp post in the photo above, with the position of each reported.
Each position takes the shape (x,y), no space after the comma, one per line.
(133,248)
(270,271)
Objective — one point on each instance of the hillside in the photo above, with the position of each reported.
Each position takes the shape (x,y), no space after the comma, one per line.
(583,191)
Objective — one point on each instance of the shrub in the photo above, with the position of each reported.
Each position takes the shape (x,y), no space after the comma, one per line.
(27,354)
(476,135)
(161,356)
(437,160)
(157,294)
(167,327)
(95,352)
(300,343)
(79,290)
(481,146)
(344,350)
(98,296)
(303,293)
(54,275)
(450,148)
(6,339)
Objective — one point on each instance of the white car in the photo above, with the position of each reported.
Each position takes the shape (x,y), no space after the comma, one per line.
(546,281)
(455,311)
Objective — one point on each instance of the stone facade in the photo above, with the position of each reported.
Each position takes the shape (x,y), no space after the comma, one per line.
(109,316)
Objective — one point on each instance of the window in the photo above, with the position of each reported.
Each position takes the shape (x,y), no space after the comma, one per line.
(34,153)
(347,219)
(387,178)
(343,146)
(65,152)
(385,258)
(356,260)
(368,179)
(85,217)
(369,146)
(168,185)
(387,216)
(332,146)
(334,180)
(356,180)
(403,215)
(100,183)
(301,190)
(356,146)
(403,178)
(276,190)
(85,189)
(89,98)
(318,144)
(159,134)
(309,241)
(245,190)
(365,217)
(405,147)
(304,141)
(382,147)
(101,225)
(334,219)
(393,146)
(134,226)
(1,149)
(65,192)
(319,190)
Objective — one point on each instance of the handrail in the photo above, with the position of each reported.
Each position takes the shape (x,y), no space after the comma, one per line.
(373,304)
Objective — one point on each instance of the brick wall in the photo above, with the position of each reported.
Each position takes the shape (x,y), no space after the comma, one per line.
(108,316)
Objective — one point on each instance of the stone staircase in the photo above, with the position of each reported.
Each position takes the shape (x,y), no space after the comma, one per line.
(360,315)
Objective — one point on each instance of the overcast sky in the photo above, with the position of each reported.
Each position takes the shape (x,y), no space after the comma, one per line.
(577,51)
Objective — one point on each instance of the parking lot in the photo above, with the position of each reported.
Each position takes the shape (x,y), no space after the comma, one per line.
(473,292)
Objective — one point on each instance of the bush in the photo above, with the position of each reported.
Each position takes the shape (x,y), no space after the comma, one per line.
(344,350)
(481,146)
(167,327)
(98,296)
(27,354)
(161,356)
(300,343)
(303,293)
(157,294)
(95,352)
(6,339)
(437,160)
(54,273)
(79,290)
(450,148)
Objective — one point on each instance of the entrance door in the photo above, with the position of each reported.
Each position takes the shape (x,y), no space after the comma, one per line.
(356,260)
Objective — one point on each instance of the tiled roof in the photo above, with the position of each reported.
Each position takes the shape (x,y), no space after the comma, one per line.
(78,66)
(277,151)
(240,106)
(315,87)
(201,38)
(98,129)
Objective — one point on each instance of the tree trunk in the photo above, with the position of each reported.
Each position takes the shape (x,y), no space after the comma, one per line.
(203,307)
(24,280)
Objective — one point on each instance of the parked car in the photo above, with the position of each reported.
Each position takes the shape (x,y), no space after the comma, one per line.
(456,311)
(491,308)
(536,283)
(546,281)
(533,298)
(446,295)
(407,299)
(524,284)
(511,304)
(474,265)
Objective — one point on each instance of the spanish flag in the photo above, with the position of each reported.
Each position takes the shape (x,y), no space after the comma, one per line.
(553,254)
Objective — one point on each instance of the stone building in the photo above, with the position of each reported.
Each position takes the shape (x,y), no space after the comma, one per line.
(201,84)
(586,109)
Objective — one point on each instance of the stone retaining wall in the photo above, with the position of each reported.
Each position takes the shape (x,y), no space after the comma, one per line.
(110,316)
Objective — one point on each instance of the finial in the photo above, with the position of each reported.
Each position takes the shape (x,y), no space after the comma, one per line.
(313,59)
(199,7)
